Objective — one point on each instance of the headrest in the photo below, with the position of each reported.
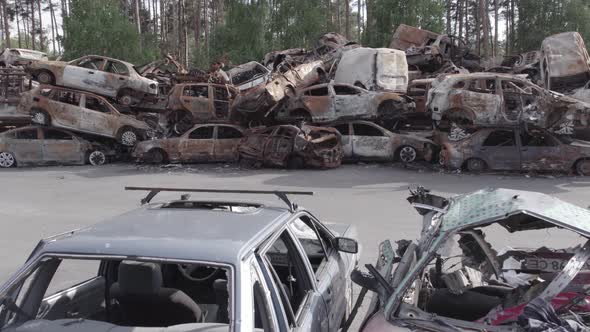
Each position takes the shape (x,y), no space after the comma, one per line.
(139,277)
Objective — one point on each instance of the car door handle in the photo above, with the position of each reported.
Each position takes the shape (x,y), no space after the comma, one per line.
(121,78)
(72,313)
(90,72)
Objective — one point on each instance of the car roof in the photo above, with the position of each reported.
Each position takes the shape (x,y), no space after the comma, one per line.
(107,58)
(44,128)
(53,87)
(180,230)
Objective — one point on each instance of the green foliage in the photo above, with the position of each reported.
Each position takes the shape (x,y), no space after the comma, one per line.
(100,27)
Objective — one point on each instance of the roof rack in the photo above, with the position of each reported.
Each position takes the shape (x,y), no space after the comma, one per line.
(282,195)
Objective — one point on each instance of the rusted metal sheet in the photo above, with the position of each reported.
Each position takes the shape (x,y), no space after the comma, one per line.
(201,143)
(565,63)
(248,75)
(292,147)
(418,90)
(20,57)
(406,36)
(163,71)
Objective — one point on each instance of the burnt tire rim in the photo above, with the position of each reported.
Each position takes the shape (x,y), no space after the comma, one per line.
(6,160)
(129,138)
(126,100)
(584,167)
(44,78)
(40,118)
(475,165)
(441,158)
(156,157)
(97,158)
(407,154)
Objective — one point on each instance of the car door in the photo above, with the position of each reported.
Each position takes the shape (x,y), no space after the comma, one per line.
(221,96)
(499,150)
(226,143)
(279,144)
(64,108)
(328,266)
(198,145)
(370,142)
(480,97)
(97,117)
(516,99)
(346,138)
(117,74)
(349,103)
(87,74)
(541,151)
(196,99)
(61,147)
(318,101)
(27,146)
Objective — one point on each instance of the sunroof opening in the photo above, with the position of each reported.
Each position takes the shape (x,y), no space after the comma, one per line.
(213,206)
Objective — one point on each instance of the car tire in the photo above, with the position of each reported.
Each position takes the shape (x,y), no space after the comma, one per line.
(40,117)
(475,165)
(7,160)
(97,158)
(295,162)
(406,154)
(128,137)
(583,167)
(126,98)
(45,77)
(156,156)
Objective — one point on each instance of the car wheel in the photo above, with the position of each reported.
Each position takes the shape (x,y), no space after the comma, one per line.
(7,160)
(248,163)
(295,162)
(97,158)
(127,98)
(128,137)
(40,117)
(45,77)
(156,156)
(475,165)
(406,154)
(583,167)
(441,159)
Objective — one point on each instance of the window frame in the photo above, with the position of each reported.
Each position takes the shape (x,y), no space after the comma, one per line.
(383,134)
(27,129)
(212,128)
(327,244)
(217,130)
(45,130)
(483,143)
(116,63)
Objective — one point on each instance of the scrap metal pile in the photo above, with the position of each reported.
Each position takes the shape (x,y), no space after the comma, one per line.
(426,97)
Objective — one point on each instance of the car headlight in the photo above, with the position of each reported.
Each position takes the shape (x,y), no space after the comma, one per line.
(153,86)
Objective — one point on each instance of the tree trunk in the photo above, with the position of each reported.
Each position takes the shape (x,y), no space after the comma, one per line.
(206,25)
(32,16)
(41,44)
(466,15)
(449,5)
(338,18)
(198,26)
(52,26)
(136,17)
(483,14)
(347,18)
(460,18)
(495,27)
(359,20)
(6,23)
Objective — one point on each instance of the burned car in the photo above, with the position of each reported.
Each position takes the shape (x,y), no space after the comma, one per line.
(105,76)
(565,63)
(526,63)
(453,278)
(202,143)
(164,72)
(83,112)
(292,147)
(517,149)
(418,90)
(248,75)
(20,57)
(363,140)
(324,103)
(193,265)
(36,145)
(489,99)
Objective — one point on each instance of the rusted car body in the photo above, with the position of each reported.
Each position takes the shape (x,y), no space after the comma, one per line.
(375,69)
(324,103)
(164,72)
(489,99)
(418,90)
(526,63)
(36,145)
(565,63)
(102,75)
(453,278)
(364,140)
(202,143)
(517,150)
(83,112)
(20,57)
(292,147)
(283,83)
(248,75)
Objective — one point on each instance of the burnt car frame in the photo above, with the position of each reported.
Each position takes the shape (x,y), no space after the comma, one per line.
(292,147)
(364,140)
(20,57)
(248,75)
(565,63)
(105,76)
(518,149)
(36,145)
(324,103)
(202,143)
(84,112)
(415,297)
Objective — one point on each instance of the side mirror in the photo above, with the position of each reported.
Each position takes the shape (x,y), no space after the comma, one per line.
(347,245)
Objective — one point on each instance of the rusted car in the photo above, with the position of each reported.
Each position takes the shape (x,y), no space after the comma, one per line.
(517,150)
(489,99)
(565,63)
(324,103)
(83,112)
(364,140)
(418,90)
(526,63)
(36,145)
(191,103)
(202,143)
(292,147)
(248,75)
(102,75)
(164,72)
(20,57)
(375,69)
(453,278)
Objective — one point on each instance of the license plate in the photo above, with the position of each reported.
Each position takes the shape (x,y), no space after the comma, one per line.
(547,264)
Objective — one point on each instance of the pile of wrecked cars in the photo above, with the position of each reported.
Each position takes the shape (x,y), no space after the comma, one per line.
(458,277)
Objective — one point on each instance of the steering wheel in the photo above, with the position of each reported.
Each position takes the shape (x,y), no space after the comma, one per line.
(197,272)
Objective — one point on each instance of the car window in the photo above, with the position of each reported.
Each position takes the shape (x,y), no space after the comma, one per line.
(224,132)
(67,97)
(96,104)
(500,138)
(56,135)
(318,92)
(360,129)
(345,90)
(116,68)
(516,87)
(343,129)
(70,273)
(45,92)
(26,134)
(308,235)
(196,91)
(90,63)
(220,93)
(483,86)
(202,133)
(538,139)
